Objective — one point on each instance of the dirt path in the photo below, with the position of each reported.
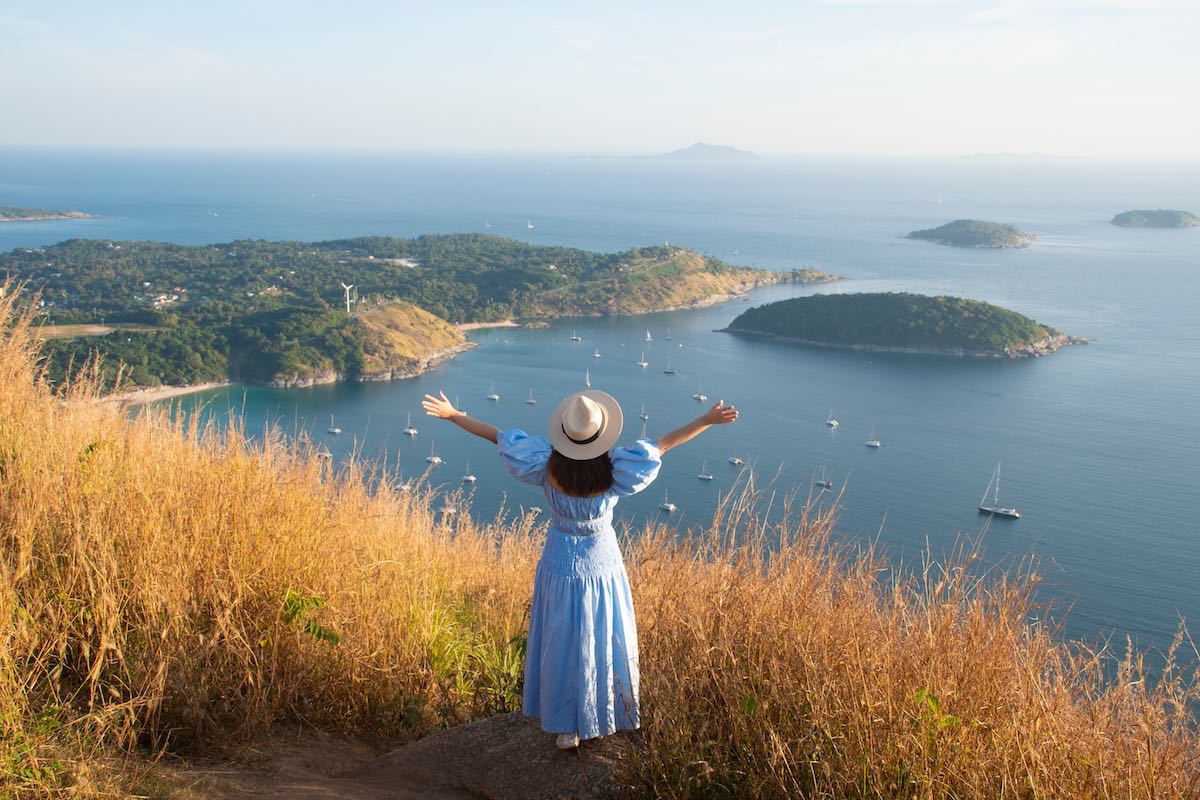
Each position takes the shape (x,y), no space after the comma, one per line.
(501,758)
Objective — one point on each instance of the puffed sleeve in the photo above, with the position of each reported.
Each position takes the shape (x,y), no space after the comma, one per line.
(635,467)
(524,456)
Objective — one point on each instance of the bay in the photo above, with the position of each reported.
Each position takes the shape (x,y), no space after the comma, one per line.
(1098,442)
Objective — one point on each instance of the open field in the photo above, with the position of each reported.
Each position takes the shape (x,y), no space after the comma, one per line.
(75,331)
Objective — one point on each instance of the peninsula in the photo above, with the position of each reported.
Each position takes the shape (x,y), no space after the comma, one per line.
(1159,218)
(902,323)
(975,233)
(276,312)
(18,214)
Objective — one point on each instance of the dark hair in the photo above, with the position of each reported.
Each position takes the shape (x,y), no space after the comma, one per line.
(588,478)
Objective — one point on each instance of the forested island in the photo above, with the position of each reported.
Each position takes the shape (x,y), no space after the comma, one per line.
(1158,218)
(18,214)
(276,312)
(975,233)
(902,323)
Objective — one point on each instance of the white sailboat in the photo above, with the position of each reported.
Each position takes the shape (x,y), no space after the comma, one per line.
(642,362)
(575,337)
(700,396)
(532,401)
(644,415)
(831,421)
(587,379)
(667,506)
(648,339)
(995,508)
(433,457)
(529,224)
(334,429)
(669,370)
(704,474)
(492,394)
(467,476)
(736,461)
(409,430)
(871,440)
(668,334)
(597,353)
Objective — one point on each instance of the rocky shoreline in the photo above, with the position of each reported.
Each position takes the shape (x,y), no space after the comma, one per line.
(410,370)
(1055,340)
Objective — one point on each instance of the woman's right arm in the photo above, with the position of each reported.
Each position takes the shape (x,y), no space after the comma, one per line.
(442,408)
(719,414)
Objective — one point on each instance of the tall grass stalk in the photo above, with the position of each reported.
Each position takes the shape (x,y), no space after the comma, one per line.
(169,584)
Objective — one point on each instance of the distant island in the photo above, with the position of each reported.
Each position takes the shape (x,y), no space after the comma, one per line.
(709,152)
(18,214)
(276,312)
(902,323)
(975,233)
(1160,218)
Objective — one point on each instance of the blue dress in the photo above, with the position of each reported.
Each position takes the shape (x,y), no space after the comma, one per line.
(581,662)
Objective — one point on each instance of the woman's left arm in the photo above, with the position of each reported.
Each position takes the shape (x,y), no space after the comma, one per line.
(442,408)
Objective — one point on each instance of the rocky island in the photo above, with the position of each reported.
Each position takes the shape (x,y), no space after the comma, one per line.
(276,313)
(902,323)
(1158,218)
(975,233)
(18,214)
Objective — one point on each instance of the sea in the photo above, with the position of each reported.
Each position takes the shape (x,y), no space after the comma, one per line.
(1098,443)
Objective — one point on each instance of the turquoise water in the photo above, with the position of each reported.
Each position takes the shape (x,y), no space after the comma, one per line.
(1098,442)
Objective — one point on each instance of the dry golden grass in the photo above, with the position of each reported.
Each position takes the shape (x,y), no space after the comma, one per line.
(400,335)
(171,587)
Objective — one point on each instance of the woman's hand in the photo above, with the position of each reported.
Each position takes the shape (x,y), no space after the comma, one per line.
(439,406)
(720,414)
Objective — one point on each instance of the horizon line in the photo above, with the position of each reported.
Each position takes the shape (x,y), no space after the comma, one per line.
(582,154)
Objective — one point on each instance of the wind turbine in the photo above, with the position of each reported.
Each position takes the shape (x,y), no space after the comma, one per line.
(347,288)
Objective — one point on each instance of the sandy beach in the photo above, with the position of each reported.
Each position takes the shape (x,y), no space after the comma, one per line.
(139,397)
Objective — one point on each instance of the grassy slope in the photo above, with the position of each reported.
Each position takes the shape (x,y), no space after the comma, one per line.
(397,336)
(188,589)
(686,278)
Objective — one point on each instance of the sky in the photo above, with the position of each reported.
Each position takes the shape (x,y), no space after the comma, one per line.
(1098,78)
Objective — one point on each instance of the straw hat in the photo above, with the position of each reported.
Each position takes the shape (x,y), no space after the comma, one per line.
(586,425)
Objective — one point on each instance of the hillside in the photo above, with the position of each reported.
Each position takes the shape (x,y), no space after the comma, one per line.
(400,339)
(1160,218)
(683,279)
(178,602)
(974,233)
(275,312)
(902,322)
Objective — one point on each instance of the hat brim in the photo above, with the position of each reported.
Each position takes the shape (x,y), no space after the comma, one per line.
(614,420)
